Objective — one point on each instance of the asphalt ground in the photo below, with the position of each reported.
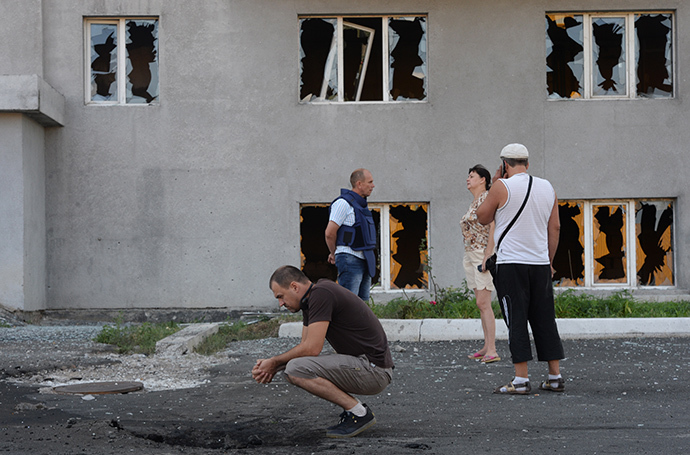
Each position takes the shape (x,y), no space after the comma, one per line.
(623,396)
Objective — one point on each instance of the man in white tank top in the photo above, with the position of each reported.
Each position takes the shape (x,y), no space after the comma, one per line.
(523,279)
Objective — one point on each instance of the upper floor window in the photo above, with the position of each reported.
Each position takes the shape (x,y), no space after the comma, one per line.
(344,59)
(608,56)
(122,59)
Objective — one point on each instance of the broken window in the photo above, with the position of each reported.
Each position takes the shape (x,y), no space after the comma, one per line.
(598,248)
(123,61)
(653,40)
(609,56)
(609,243)
(564,55)
(407,47)
(654,230)
(569,260)
(408,233)
(624,55)
(399,255)
(318,41)
(352,59)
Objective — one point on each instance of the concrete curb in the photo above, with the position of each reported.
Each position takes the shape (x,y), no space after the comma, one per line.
(471,329)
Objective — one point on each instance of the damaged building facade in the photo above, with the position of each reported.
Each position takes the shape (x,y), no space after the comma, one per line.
(172,154)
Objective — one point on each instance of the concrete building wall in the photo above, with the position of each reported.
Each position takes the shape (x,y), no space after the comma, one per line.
(21,32)
(34,246)
(194,201)
(11,212)
(22,213)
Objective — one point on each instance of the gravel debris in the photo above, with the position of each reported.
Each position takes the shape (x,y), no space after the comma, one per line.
(51,356)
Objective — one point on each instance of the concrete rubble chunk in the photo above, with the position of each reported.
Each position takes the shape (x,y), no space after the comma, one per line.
(184,341)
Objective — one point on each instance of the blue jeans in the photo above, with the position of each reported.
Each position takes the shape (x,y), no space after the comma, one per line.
(353,274)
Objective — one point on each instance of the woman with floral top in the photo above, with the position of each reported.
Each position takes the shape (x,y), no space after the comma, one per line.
(479,245)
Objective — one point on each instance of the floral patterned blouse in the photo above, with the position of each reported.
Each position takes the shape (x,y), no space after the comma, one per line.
(475,234)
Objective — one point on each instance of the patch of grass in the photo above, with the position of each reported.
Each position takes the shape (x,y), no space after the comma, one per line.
(139,339)
(618,305)
(237,331)
(451,303)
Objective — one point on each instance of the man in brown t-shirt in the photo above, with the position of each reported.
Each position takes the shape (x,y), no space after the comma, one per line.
(362,364)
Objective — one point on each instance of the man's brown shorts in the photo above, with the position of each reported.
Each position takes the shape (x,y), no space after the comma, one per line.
(349,373)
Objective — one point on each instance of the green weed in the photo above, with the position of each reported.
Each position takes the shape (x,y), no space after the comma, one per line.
(139,339)
(236,331)
(460,303)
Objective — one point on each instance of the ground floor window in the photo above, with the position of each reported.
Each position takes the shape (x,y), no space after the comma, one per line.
(615,243)
(402,230)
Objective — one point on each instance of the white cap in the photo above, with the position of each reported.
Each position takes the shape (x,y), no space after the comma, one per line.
(518,151)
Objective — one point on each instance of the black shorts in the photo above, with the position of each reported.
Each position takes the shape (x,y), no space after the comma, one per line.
(525,294)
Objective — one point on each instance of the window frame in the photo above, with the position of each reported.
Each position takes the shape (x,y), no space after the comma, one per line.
(630,244)
(630,256)
(341,22)
(383,252)
(631,55)
(121,23)
(384,241)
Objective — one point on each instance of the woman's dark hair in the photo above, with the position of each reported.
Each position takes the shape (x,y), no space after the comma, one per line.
(481,171)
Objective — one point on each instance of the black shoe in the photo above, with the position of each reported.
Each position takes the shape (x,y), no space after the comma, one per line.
(343,415)
(351,425)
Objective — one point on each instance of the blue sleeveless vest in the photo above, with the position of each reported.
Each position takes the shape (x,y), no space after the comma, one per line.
(361,236)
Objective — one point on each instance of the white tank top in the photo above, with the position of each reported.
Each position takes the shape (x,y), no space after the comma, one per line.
(527,241)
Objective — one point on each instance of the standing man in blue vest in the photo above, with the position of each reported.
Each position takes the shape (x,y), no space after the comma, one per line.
(351,235)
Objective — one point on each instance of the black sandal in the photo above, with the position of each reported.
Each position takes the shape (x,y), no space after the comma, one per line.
(511,389)
(548,385)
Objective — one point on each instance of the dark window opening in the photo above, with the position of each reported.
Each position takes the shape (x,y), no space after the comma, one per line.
(565,59)
(407,81)
(141,54)
(609,244)
(569,260)
(653,225)
(405,238)
(654,55)
(314,251)
(362,59)
(317,38)
(408,234)
(352,59)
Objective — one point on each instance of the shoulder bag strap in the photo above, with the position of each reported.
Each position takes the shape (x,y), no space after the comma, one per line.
(529,188)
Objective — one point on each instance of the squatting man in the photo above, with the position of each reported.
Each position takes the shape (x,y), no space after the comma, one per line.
(362,364)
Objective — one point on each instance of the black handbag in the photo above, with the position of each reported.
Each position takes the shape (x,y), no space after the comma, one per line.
(490,263)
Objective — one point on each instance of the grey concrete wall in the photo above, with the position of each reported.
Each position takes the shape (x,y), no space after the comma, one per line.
(195,201)
(22,213)
(34,210)
(11,212)
(21,35)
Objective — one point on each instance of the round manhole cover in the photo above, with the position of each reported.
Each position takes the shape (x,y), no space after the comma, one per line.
(94,388)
